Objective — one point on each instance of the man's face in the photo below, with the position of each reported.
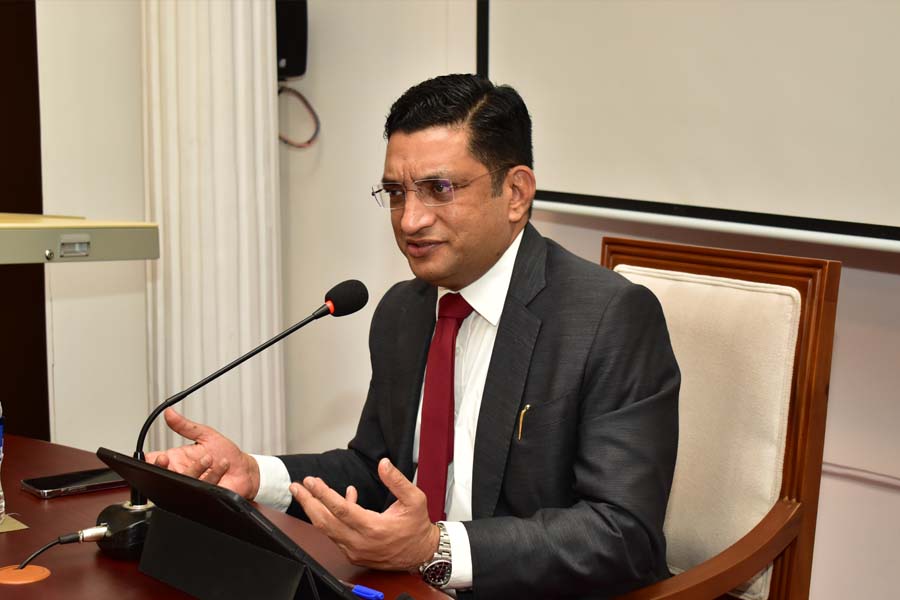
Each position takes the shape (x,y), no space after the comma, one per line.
(455,244)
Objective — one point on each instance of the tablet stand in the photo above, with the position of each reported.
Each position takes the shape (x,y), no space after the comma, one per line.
(207,563)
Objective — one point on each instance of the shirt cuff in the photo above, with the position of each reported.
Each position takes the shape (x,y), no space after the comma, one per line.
(461,555)
(274,481)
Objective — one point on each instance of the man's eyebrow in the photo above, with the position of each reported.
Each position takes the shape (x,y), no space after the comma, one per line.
(439,174)
(436,174)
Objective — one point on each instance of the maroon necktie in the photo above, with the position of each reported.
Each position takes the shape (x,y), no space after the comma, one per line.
(436,433)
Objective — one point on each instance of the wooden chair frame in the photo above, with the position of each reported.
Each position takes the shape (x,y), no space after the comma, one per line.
(785,536)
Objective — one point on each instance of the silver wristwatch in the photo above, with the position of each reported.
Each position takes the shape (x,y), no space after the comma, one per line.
(437,571)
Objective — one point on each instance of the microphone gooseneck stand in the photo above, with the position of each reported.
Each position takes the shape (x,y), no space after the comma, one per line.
(128,521)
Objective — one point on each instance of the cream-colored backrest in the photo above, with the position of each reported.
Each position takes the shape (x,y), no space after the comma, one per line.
(734,341)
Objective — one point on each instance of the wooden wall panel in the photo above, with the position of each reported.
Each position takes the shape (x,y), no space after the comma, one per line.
(23,345)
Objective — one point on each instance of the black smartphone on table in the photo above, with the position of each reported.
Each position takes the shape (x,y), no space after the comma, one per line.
(76,482)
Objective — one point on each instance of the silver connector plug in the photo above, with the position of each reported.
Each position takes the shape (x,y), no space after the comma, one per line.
(92,534)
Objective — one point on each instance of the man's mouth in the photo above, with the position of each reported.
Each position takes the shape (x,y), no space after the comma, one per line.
(420,248)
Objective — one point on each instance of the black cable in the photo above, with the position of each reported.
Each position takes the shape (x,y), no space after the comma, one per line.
(33,556)
(91,534)
(296,94)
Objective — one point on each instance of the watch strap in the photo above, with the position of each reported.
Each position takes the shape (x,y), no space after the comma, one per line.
(436,571)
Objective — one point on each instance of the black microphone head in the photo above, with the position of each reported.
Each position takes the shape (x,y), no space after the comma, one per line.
(347,297)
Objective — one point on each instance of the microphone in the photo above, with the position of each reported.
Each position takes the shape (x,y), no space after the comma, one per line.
(128,521)
(346,298)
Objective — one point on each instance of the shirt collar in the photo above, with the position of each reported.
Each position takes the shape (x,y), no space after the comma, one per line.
(487,294)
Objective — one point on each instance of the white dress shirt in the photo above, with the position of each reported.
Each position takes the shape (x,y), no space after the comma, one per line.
(474,345)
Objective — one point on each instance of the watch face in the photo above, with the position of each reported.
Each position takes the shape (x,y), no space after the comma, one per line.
(437,573)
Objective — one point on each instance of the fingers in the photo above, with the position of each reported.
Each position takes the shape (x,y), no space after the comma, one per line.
(401,487)
(195,468)
(336,504)
(351,495)
(184,426)
(314,509)
(215,472)
(328,510)
(297,491)
(185,465)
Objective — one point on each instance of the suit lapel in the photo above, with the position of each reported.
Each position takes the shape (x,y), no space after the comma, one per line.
(508,371)
(414,337)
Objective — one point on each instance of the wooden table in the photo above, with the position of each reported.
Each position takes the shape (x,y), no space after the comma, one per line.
(81,571)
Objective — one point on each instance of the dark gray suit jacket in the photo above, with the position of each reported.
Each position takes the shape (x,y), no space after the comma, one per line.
(575,508)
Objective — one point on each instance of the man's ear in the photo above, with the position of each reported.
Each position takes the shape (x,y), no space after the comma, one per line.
(521,182)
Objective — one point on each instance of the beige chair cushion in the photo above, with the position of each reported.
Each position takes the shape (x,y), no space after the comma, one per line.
(734,341)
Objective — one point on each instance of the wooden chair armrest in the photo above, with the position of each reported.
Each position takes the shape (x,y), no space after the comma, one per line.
(734,565)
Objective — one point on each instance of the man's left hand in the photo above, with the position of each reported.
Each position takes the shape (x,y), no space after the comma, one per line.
(399,539)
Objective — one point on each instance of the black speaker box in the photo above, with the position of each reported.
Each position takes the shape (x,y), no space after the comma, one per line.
(292,33)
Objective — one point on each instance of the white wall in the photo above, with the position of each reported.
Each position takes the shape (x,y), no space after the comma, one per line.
(333,230)
(89,63)
(361,55)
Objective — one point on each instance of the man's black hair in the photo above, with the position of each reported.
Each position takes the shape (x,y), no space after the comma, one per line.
(495,115)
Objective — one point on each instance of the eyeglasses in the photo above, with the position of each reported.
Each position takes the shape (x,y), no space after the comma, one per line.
(431,192)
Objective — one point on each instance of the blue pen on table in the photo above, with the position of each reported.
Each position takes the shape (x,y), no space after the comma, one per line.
(364,592)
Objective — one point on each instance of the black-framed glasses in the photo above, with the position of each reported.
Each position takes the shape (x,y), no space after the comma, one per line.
(431,192)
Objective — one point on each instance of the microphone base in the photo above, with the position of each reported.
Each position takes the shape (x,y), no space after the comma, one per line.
(128,529)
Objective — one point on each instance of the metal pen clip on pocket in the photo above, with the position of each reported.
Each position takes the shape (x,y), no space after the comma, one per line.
(522,419)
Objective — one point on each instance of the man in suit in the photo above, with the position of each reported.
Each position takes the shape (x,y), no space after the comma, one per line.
(548,473)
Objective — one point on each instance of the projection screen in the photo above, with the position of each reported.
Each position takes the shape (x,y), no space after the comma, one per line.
(780,112)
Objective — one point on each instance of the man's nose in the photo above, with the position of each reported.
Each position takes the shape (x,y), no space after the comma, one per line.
(415,215)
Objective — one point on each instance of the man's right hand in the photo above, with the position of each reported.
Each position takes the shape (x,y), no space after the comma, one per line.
(212,457)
